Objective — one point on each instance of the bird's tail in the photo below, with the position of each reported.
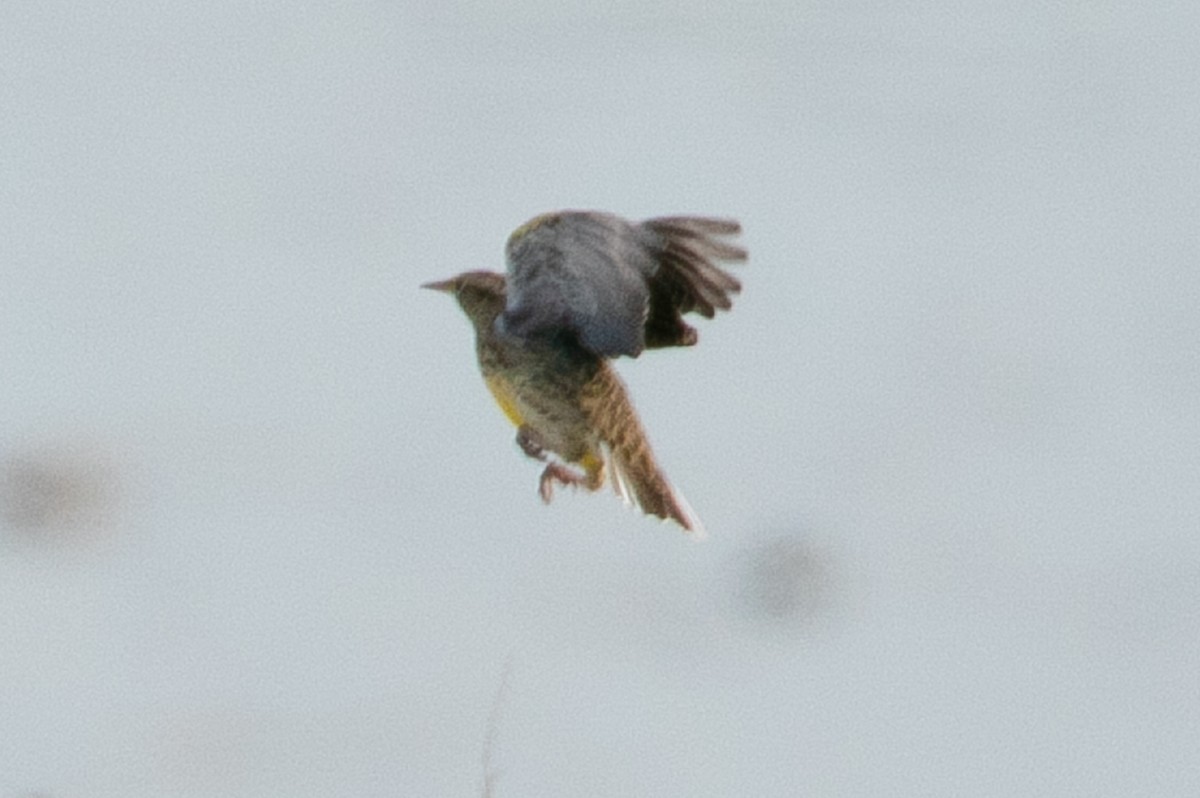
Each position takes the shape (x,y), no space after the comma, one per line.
(635,474)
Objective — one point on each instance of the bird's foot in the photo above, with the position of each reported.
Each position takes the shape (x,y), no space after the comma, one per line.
(557,472)
(531,442)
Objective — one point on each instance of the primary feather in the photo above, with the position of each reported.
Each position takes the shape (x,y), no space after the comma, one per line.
(617,286)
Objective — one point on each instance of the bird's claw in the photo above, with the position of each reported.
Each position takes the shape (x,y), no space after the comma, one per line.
(556,472)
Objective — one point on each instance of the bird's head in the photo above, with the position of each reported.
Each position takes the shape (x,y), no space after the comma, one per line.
(481,294)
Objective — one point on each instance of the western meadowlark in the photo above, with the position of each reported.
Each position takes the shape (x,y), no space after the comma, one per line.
(583,287)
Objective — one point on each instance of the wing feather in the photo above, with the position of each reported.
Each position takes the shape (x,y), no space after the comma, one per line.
(617,286)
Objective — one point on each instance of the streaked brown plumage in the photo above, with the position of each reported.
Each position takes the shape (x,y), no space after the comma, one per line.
(583,287)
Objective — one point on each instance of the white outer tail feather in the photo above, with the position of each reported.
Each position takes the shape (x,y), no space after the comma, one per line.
(622,487)
(620,481)
(698,532)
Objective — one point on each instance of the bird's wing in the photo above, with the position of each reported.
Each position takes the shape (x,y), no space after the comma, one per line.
(583,272)
(687,250)
(619,286)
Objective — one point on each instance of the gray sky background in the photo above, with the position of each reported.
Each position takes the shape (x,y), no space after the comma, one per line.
(263,532)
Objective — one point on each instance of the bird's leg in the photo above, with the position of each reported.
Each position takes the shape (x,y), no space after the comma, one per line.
(557,472)
(531,442)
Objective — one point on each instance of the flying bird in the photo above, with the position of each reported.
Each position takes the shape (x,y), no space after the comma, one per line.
(582,288)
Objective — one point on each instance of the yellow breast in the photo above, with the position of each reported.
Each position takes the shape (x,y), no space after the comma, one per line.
(505,397)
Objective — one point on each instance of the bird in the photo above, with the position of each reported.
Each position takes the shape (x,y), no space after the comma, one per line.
(580,289)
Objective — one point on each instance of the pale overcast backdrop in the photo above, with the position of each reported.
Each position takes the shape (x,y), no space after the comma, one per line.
(262,531)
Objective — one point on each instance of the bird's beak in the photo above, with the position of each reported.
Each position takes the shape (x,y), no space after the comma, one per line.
(445,286)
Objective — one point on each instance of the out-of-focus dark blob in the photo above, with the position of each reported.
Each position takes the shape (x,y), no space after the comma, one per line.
(785,581)
(55,494)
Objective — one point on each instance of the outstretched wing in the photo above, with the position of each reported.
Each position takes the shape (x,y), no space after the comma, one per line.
(618,286)
(688,279)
